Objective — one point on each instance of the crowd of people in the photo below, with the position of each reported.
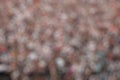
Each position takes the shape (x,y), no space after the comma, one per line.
(60,39)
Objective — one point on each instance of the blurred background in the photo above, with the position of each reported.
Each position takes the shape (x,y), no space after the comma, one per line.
(59,39)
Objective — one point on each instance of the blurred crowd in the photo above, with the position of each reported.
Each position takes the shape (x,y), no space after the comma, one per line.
(60,39)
